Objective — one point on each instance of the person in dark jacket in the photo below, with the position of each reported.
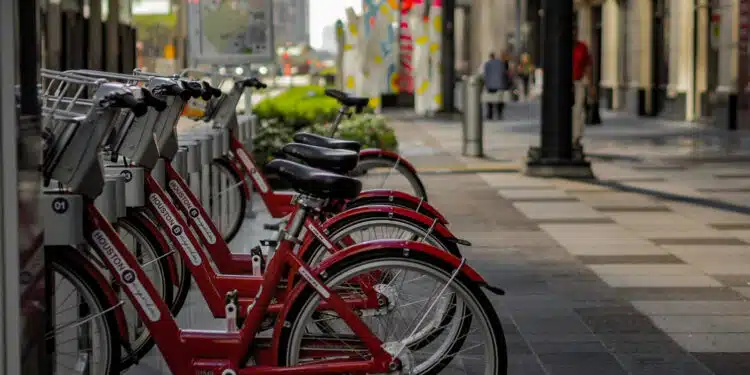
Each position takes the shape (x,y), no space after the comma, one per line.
(494,73)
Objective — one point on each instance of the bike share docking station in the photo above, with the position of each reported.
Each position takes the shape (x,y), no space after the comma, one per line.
(119,182)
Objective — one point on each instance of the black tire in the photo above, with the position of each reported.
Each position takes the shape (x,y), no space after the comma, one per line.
(224,166)
(135,226)
(369,163)
(298,305)
(317,248)
(56,259)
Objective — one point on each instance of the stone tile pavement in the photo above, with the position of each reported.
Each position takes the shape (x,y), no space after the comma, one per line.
(643,271)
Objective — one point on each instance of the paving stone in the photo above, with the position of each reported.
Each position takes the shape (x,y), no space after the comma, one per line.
(525,365)
(587,249)
(731,226)
(620,320)
(713,342)
(583,221)
(556,210)
(515,194)
(517,345)
(705,308)
(651,261)
(744,291)
(706,241)
(558,324)
(544,199)
(698,324)
(636,209)
(728,176)
(577,363)
(586,343)
(660,281)
(641,343)
(725,190)
(680,294)
(726,363)
(658,364)
(740,280)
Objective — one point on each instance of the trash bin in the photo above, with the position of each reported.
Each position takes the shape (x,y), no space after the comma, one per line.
(472,120)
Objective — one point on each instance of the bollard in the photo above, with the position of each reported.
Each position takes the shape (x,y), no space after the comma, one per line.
(473,124)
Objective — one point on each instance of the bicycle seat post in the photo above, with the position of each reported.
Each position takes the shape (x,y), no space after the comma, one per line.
(305,203)
(339,117)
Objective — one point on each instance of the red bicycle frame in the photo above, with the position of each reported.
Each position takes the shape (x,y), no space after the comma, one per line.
(191,352)
(279,204)
(213,286)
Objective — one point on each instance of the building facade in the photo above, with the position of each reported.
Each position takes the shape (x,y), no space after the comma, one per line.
(677,59)
(291,21)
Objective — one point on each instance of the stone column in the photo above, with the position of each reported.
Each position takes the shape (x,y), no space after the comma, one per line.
(113,37)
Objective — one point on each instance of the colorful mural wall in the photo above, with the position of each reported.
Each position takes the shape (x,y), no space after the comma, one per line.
(392,47)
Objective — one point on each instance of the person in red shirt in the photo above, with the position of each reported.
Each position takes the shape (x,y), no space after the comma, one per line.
(582,63)
(582,74)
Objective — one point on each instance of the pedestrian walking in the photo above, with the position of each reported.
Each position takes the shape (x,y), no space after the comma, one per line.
(526,71)
(583,85)
(495,83)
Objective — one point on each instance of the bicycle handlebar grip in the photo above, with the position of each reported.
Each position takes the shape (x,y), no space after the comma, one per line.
(153,102)
(254,83)
(206,94)
(174,89)
(213,91)
(127,100)
(194,87)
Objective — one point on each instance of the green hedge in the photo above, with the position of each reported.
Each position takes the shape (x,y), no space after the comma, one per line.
(298,107)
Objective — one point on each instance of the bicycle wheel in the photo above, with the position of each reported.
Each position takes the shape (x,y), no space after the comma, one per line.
(227,207)
(384,226)
(153,260)
(473,343)
(181,281)
(85,334)
(375,173)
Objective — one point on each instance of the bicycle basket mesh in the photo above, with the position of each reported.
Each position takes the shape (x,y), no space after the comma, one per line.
(74,126)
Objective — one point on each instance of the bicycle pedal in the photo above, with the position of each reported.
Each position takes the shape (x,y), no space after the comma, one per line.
(258,261)
(231,304)
(269,243)
(273,227)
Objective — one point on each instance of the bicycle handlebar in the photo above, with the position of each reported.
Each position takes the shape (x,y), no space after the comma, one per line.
(252,82)
(173,89)
(194,87)
(210,91)
(152,101)
(126,100)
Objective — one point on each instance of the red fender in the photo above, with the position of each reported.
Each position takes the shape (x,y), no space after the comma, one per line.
(406,248)
(395,211)
(383,154)
(144,219)
(236,166)
(122,326)
(422,205)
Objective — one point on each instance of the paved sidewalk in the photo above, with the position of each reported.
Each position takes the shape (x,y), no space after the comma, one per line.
(646,271)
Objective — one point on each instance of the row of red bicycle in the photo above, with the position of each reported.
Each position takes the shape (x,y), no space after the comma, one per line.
(354,281)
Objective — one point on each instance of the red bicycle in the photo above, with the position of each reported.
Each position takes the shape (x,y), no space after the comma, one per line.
(339,296)
(325,234)
(240,165)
